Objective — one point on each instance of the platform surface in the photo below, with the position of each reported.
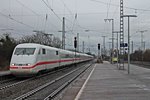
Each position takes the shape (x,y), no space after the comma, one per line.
(108,83)
(3,73)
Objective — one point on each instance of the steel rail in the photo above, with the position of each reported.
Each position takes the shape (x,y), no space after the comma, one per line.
(4,81)
(26,95)
(53,94)
(32,78)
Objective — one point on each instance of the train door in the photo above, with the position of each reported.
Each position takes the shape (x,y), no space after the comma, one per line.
(43,58)
(40,59)
(58,58)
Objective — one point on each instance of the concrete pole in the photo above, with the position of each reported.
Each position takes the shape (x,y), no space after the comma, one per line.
(104,50)
(112,37)
(89,44)
(132,46)
(144,49)
(83,47)
(128,39)
(144,45)
(63,33)
(110,49)
(128,45)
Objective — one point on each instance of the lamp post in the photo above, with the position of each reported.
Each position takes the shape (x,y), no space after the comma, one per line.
(128,16)
(112,20)
(63,33)
(104,50)
(110,49)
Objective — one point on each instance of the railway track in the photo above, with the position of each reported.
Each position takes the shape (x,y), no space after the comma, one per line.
(7,80)
(20,87)
(14,81)
(6,77)
(52,88)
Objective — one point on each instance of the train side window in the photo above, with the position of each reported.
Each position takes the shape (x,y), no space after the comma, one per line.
(43,51)
(56,52)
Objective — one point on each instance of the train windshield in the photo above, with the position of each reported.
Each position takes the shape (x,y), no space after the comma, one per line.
(24,51)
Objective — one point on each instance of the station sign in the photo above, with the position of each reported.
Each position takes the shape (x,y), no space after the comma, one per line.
(124,45)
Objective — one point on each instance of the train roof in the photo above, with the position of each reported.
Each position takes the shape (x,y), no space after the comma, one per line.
(34,45)
(28,45)
(48,47)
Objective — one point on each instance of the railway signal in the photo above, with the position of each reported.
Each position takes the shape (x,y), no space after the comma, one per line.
(98,46)
(75,42)
(99,50)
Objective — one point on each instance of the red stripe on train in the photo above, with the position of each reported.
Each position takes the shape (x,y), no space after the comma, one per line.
(42,63)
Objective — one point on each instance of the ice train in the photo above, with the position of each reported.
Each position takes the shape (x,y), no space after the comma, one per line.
(30,58)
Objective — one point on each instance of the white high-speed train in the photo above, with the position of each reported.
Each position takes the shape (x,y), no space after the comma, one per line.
(30,58)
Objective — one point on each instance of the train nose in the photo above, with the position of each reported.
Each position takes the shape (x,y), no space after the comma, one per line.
(22,72)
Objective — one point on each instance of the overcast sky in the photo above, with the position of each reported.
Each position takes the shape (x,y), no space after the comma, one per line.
(21,17)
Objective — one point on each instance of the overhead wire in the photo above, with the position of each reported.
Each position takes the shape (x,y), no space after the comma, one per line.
(108,7)
(66,7)
(84,28)
(47,16)
(35,13)
(119,5)
(12,31)
(74,22)
(9,16)
(75,17)
(28,8)
(108,4)
(107,15)
(57,14)
(88,13)
(21,15)
(49,7)
(115,12)
(52,10)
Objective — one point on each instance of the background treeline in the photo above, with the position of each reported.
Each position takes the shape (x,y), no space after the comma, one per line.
(138,55)
(8,43)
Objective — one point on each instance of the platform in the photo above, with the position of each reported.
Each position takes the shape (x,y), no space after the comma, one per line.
(3,73)
(106,82)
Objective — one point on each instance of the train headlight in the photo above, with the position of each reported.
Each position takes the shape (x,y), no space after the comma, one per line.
(28,64)
(13,64)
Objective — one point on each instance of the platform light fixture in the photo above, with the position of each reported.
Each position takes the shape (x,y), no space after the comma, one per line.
(128,16)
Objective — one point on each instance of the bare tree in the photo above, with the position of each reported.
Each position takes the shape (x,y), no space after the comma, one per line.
(42,39)
(56,42)
(7,44)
